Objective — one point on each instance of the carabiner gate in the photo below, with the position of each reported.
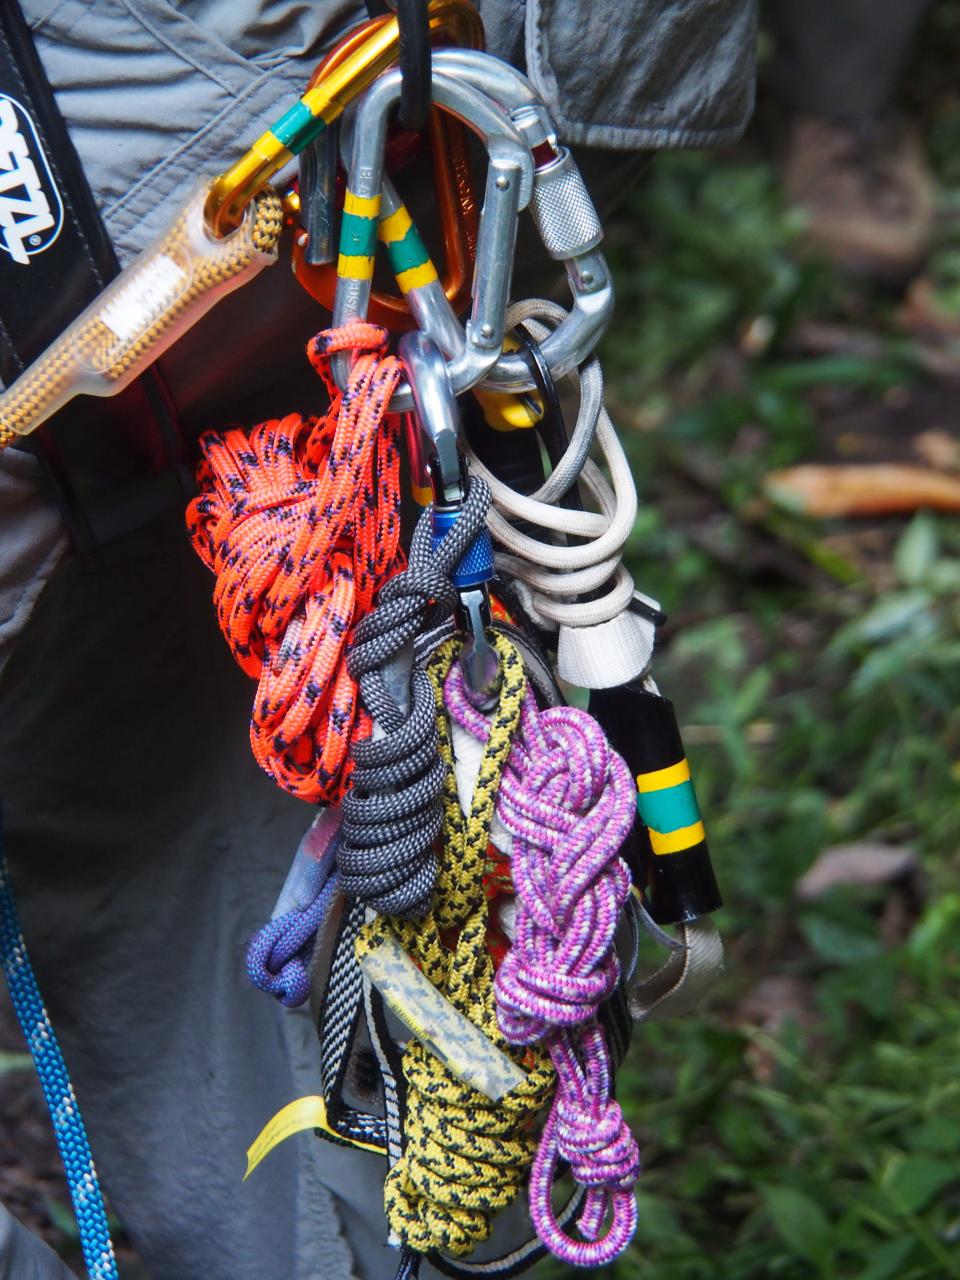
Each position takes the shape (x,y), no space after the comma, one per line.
(509,186)
(436,408)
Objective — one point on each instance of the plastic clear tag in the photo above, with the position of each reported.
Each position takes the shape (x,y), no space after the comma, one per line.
(160,295)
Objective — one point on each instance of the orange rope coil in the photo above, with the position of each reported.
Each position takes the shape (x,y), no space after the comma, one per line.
(300,521)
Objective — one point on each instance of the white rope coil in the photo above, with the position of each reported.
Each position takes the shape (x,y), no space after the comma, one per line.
(556,571)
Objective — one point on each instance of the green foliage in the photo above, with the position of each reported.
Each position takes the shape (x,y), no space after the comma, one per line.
(821,706)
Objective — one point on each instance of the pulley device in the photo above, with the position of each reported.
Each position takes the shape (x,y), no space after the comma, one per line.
(484,857)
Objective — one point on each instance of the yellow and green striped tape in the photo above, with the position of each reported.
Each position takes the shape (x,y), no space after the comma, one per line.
(668,808)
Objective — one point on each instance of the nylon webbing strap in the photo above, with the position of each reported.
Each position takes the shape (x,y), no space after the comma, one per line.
(337,1027)
(112,461)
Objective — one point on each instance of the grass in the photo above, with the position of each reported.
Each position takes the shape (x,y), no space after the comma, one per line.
(817,670)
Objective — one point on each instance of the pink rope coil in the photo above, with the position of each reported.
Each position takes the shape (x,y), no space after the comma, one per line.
(568,800)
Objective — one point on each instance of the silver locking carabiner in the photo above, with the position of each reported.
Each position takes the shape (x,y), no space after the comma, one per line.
(562,211)
(410,261)
(509,187)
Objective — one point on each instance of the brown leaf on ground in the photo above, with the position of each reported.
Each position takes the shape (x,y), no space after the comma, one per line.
(883,489)
(939,449)
(769,1006)
(859,864)
(895,869)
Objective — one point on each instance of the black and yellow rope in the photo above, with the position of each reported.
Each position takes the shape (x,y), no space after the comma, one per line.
(465,1156)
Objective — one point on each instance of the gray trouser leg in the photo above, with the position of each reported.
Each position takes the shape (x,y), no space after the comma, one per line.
(841,57)
(145,847)
(24,1256)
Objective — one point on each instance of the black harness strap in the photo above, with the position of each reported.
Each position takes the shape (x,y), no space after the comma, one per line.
(113,462)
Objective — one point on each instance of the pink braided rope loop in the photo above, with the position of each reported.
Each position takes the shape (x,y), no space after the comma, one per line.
(568,800)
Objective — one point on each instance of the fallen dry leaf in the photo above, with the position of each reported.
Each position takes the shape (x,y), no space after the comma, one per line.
(938,448)
(861,864)
(773,1003)
(866,490)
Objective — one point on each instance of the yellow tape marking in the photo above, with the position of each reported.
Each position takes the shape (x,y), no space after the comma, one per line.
(295,1117)
(416,277)
(396,226)
(362,206)
(268,147)
(355,266)
(658,779)
(676,841)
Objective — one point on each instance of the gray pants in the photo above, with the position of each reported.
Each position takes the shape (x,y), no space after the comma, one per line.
(145,847)
(841,58)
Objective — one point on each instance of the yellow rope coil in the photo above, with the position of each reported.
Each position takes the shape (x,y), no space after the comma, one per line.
(465,1156)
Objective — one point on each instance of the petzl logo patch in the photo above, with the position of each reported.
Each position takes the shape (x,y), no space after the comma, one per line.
(31,210)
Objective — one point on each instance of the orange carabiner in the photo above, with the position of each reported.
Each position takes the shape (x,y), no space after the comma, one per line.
(369,55)
(456,207)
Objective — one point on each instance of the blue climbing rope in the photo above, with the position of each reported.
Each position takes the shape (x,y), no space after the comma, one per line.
(68,1125)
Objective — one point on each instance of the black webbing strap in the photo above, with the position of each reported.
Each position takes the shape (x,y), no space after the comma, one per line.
(113,462)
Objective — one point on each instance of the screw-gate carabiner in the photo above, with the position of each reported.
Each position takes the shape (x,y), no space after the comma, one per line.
(562,211)
(435,406)
(233,190)
(508,189)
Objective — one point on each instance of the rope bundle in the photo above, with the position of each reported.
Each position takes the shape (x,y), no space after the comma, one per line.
(280,952)
(570,567)
(465,1156)
(392,814)
(300,521)
(568,800)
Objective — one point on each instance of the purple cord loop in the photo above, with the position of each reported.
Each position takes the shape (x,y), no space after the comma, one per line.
(279,954)
(568,800)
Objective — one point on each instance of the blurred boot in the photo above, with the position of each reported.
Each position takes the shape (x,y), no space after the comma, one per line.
(869,197)
(858,173)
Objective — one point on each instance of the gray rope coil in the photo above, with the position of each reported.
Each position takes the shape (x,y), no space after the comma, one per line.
(392,812)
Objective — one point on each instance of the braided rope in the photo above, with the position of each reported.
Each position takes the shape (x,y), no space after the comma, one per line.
(300,521)
(68,1126)
(392,813)
(568,800)
(279,954)
(465,1156)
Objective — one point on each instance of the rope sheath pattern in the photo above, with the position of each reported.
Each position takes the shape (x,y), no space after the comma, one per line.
(300,521)
(392,813)
(568,800)
(465,1156)
(279,954)
(68,1126)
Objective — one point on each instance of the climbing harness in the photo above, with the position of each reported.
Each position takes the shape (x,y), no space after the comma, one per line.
(464,911)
